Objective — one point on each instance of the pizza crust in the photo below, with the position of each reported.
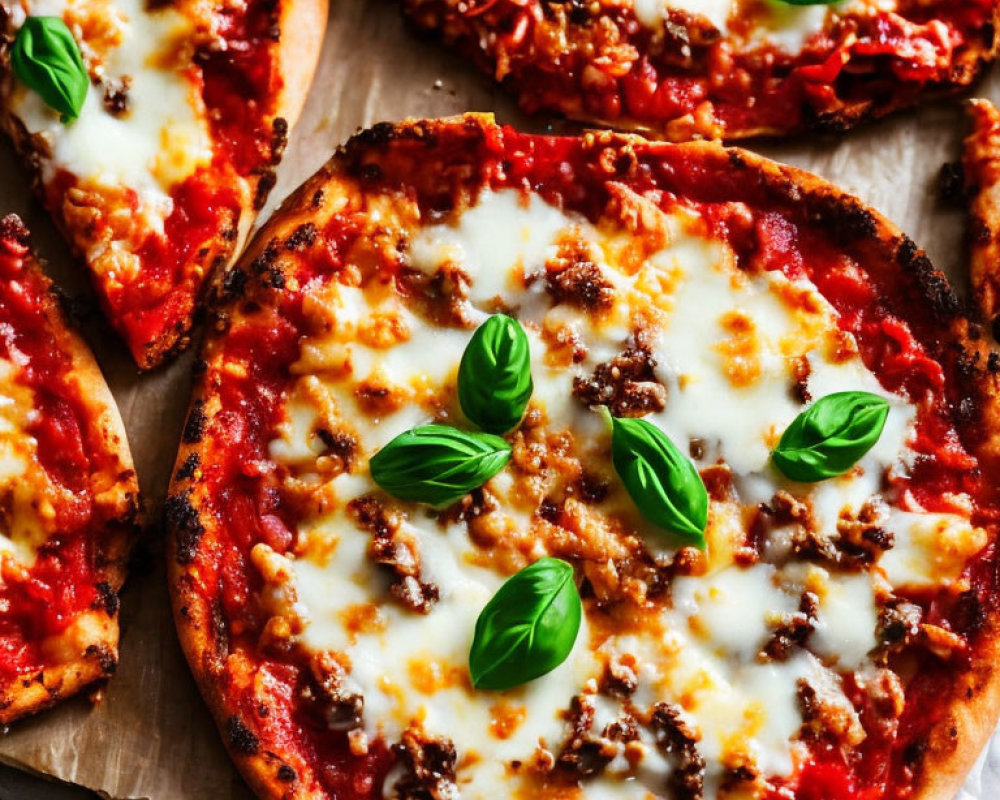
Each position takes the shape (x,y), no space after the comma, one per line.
(90,644)
(274,772)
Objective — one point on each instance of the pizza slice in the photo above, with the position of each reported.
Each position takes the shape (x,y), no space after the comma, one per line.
(981,171)
(152,131)
(683,69)
(69,499)
(589,468)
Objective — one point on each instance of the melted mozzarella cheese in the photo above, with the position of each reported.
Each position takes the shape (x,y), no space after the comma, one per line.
(781,25)
(728,348)
(161,139)
(929,549)
(848,616)
(21,488)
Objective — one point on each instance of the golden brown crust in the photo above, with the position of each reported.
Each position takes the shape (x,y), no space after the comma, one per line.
(973,702)
(90,644)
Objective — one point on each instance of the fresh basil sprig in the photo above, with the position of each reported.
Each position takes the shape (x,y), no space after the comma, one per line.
(528,628)
(46,58)
(829,437)
(494,377)
(437,464)
(663,483)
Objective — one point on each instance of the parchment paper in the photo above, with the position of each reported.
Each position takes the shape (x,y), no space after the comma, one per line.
(150,736)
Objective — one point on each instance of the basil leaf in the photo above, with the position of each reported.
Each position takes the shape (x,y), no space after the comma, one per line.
(809,2)
(45,58)
(494,377)
(829,437)
(437,464)
(528,628)
(663,483)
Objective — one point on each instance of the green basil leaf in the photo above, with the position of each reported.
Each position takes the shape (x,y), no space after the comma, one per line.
(810,2)
(528,628)
(664,484)
(829,437)
(437,464)
(494,377)
(45,58)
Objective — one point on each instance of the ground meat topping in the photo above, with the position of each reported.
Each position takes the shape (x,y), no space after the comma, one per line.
(627,384)
(339,707)
(573,278)
(794,631)
(396,552)
(429,767)
(585,753)
(676,739)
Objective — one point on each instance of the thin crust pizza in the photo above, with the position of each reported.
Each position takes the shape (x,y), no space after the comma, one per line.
(152,131)
(682,69)
(536,467)
(69,499)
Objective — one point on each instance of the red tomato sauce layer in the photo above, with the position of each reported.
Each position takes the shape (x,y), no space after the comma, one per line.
(879,288)
(40,600)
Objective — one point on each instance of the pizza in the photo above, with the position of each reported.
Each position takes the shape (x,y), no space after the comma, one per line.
(683,69)
(69,499)
(978,179)
(588,467)
(152,131)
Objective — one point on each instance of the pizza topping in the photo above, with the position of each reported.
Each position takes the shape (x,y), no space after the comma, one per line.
(494,376)
(786,24)
(663,483)
(528,628)
(627,384)
(828,439)
(46,58)
(394,548)
(428,765)
(28,498)
(437,465)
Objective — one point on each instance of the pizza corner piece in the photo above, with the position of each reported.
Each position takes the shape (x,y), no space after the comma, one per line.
(551,467)
(69,497)
(729,69)
(151,133)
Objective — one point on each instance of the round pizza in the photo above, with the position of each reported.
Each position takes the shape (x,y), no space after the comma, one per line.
(69,499)
(556,468)
(683,69)
(152,131)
